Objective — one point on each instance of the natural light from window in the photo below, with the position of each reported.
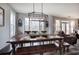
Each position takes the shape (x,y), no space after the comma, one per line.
(67,26)
(34,25)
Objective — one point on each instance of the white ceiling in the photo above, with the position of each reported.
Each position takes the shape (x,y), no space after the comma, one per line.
(55,9)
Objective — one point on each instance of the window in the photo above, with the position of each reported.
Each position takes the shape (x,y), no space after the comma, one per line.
(12,24)
(26,24)
(34,24)
(57,25)
(42,26)
(72,26)
(65,25)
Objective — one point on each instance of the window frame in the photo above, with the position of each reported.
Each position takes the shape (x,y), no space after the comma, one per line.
(12,23)
(35,21)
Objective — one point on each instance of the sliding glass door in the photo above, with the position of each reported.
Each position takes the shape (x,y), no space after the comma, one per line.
(65,27)
(68,26)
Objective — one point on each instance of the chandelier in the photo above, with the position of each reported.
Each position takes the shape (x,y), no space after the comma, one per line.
(37,15)
(40,16)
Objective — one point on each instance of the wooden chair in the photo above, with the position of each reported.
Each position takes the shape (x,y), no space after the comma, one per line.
(65,46)
(70,39)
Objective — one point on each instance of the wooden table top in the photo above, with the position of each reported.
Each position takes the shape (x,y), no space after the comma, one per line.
(38,39)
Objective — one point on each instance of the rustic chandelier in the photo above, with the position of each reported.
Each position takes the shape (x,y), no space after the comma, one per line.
(37,15)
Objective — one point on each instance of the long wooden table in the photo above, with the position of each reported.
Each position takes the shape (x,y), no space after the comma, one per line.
(31,41)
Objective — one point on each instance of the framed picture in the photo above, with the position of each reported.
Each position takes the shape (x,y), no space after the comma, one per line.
(19,22)
(1,16)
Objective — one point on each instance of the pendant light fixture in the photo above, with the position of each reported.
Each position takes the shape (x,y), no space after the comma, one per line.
(37,15)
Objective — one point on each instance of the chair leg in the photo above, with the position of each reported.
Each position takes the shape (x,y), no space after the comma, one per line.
(67,48)
(64,49)
(41,53)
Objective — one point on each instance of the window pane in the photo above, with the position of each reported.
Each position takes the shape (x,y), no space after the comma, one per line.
(27,24)
(63,27)
(42,26)
(72,26)
(67,28)
(57,25)
(34,25)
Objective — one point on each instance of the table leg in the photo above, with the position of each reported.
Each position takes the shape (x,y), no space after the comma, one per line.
(31,43)
(41,53)
(60,46)
(40,43)
(13,47)
(43,42)
(21,44)
(50,42)
(67,48)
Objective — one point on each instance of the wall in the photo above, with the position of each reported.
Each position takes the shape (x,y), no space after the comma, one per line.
(51,24)
(5,30)
(22,17)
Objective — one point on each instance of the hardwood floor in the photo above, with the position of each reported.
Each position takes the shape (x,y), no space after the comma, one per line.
(73,50)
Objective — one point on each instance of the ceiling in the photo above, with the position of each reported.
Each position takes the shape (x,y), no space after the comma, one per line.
(55,9)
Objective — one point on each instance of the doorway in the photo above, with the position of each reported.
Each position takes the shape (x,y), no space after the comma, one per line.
(65,26)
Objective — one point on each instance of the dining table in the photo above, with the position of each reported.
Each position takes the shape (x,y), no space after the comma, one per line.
(26,40)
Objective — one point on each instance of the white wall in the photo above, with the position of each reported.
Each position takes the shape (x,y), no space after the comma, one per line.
(22,17)
(5,30)
(51,24)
